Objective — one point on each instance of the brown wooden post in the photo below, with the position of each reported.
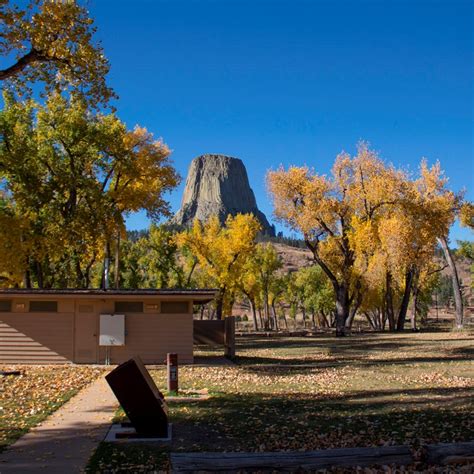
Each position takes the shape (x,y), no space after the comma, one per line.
(172,370)
(229,337)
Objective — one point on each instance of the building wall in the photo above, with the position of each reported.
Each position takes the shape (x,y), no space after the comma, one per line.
(72,334)
(152,336)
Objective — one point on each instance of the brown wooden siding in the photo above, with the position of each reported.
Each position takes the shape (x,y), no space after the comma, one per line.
(71,335)
(152,336)
(27,338)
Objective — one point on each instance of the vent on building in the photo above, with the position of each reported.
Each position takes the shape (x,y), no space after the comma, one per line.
(174,307)
(43,306)
(129,307)
(5,306)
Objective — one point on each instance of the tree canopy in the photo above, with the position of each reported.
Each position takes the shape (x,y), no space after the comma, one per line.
(72,177)
(358,224)
(52,42)
(223,252)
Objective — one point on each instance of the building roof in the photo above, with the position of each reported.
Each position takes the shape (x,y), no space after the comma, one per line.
(200,295)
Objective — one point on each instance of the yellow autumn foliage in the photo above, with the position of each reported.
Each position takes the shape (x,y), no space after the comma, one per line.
(222,251)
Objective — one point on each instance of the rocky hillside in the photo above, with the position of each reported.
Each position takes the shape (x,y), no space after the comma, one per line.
(218,185)
(293,258)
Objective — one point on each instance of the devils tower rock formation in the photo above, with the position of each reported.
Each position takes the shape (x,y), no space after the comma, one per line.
(218,185)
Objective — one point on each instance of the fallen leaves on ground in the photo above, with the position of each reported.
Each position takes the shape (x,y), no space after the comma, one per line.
(375,390)
(27,399)
(311,393)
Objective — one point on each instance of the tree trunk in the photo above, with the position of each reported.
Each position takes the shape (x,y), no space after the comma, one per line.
(254,315)
(372,323)
(87,272)
(353,310)
(380,319)
(219,304)
(190,275)
(275,317)
(262,324)
(402,314)
(105,270)
(266,309)
(284,316)
(27,275)
(342,309)
(303,310)
(325,321)
(390,314)
(117,263)
(413,310)
(312,319)
(231,303)
(39,274)
(455,281)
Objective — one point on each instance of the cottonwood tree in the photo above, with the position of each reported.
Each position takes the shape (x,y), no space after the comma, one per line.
(13,251)
(151,261)
(267,262)
(277,298)
(249,284)
(159,259)
(440,207)
(259,283)
(222,253)
(324,208)
(317,295)
(466,214)
(73,177)
(359,223)
(51,42)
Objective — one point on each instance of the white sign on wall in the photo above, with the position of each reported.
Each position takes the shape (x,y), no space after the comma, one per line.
(112,330)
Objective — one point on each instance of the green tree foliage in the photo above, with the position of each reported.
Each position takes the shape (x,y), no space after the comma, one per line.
(316,295)
(466,249)
(72,177)
(443,291)
(152,261)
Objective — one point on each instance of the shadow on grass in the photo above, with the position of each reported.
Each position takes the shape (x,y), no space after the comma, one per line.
(331,352)
(251,422)
(297,421)
(360,342)
(275,364)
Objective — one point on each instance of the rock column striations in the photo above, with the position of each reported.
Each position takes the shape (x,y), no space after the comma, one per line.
(218,185)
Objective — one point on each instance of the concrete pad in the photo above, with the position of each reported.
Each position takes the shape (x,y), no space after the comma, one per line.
(117,428)
(64,442)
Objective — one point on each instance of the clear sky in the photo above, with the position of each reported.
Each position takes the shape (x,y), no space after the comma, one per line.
(296,82)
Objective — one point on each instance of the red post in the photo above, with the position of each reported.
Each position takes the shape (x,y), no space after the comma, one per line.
(172,369)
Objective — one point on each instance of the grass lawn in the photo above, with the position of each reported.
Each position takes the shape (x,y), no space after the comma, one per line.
(27,399)
(321,392)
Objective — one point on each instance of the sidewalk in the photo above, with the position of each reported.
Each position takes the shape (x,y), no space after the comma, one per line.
(64,442)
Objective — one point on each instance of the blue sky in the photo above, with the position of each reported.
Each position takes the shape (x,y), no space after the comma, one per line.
(296,82)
